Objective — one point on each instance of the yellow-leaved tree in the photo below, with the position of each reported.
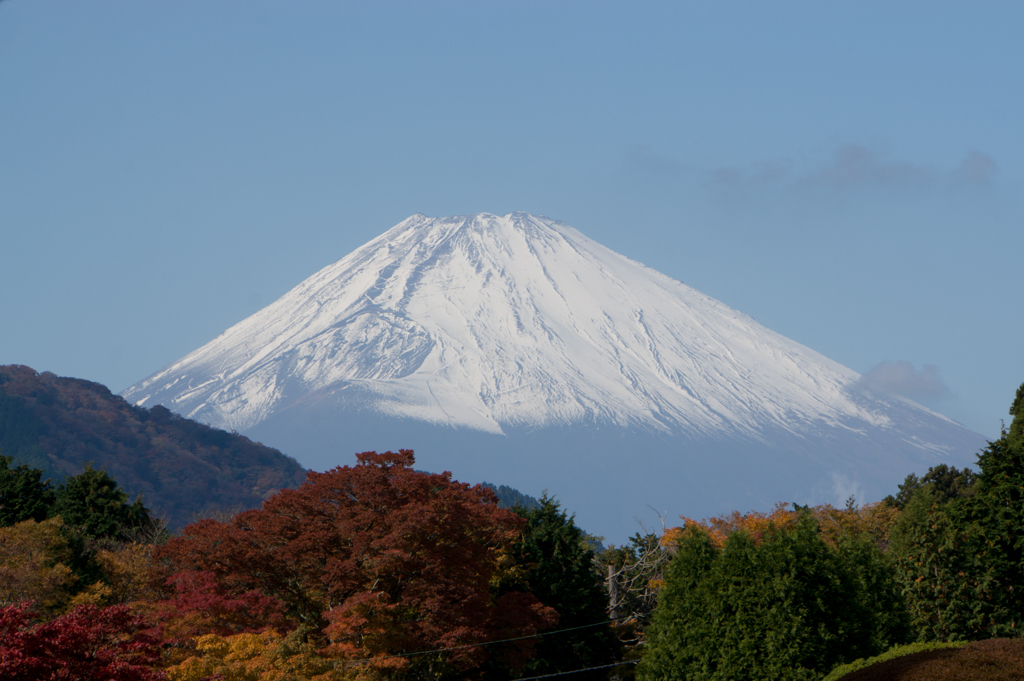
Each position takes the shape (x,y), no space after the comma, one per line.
(126,576)
(31,567)
(267,656)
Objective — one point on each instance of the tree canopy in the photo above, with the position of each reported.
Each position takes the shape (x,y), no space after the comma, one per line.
(946,483)
(93,502)
(380,559)
(781,604)
(561,572)
(960,558)
(24,495)
(87,644)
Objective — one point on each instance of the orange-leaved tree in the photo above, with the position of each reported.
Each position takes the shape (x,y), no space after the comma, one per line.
(719,528)
(381,559)
(874,521)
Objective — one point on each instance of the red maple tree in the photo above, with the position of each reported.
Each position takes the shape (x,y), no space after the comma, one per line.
(197,604)
(90,643)
(382,559)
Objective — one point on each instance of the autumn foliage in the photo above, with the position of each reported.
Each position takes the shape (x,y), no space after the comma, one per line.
(379,559)
(30,564)
(87,644)
(196,604)
(266,656)
(874,521)
(376,571)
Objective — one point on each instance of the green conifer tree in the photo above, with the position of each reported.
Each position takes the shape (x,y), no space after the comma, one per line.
(563,576)
(93,502)
(960,563)
(24,495)
(787,607)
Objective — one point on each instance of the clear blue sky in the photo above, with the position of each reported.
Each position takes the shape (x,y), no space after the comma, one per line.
(850,174)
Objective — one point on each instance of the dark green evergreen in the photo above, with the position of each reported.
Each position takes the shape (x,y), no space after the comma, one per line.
(676,649)
(877,591)
(789,607)
(562,575)
(960,562)
(1015,438)
(93,503)
(933,560)
(24,495)
(946,482)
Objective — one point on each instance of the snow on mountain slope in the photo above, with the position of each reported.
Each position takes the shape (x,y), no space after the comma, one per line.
(518,324)
(480,321)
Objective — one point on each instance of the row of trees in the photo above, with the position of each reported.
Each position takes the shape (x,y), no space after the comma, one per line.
(369,571)
(779,598)
(62,545)
(91,501)
(792,593)
(377,571)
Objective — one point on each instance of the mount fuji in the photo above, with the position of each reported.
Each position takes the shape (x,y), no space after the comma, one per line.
(515,349)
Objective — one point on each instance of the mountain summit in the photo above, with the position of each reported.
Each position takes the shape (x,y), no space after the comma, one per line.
(514,345)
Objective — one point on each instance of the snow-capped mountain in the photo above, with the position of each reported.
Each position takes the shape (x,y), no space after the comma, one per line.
(517,350)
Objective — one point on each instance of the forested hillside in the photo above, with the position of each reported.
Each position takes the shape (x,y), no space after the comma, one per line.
(180,467)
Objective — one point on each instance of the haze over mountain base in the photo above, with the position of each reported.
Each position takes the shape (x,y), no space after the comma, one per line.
(618,479)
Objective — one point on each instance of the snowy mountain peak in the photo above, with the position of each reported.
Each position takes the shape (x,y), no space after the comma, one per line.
(485,321)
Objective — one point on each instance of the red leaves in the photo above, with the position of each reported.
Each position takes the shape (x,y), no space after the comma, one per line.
(404,458)
(381,558)
(89,643)
(200,605)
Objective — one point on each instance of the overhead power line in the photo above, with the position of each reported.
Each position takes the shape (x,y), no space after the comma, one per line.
(576,671)
(488,643)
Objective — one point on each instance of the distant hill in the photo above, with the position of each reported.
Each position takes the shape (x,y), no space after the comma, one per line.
(181,467)
(509,497)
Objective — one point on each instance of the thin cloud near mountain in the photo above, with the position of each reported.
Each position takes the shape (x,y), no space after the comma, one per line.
(901,378)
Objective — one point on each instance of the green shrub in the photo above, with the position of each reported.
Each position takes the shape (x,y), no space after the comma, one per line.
(990,660)
(891,654)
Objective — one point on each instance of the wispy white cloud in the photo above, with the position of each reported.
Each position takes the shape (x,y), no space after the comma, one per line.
(850,167)
(901,378)
(977,169)
(854,165)
(644,159)
(844,488)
